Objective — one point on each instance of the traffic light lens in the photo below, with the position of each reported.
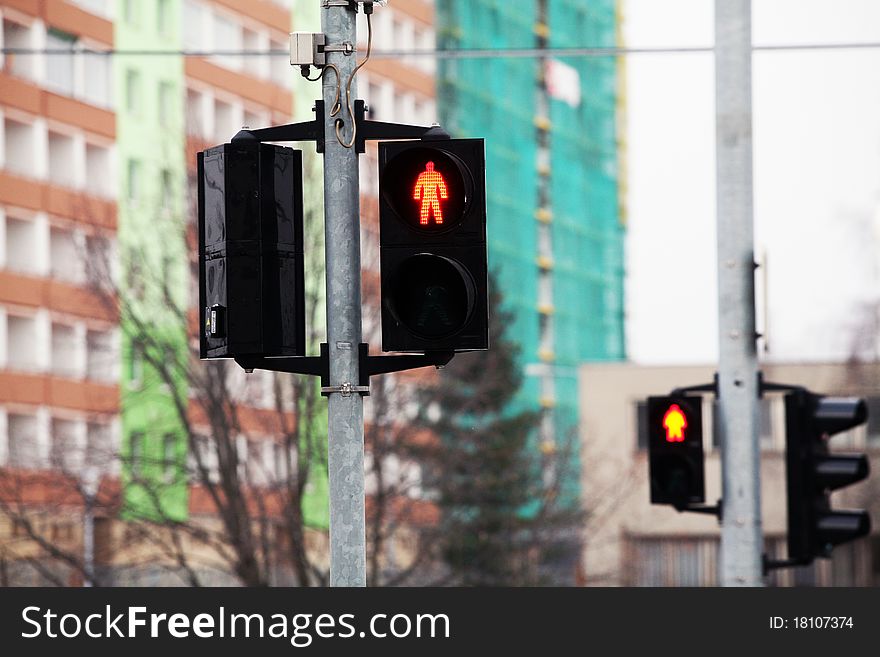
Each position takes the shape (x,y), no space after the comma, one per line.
(428,189)
(433,296)
(673,479)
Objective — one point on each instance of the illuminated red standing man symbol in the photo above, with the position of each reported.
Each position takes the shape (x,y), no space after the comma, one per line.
(430,188)
(675,423)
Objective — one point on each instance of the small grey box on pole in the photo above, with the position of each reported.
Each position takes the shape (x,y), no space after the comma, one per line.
(343,256)
(740,561)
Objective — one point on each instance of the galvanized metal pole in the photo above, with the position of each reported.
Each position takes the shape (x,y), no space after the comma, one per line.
(343,255)
(741,540)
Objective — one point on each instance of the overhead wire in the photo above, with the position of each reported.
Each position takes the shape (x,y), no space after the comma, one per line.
(448,53)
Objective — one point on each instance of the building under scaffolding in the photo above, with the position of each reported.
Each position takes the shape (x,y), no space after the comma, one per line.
(555,223)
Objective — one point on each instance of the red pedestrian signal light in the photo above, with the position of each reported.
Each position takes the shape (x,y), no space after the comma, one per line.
(675,450)
(674,422)
(430,188)
(432,245)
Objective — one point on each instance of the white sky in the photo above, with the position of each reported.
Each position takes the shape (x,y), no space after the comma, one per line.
(817,177)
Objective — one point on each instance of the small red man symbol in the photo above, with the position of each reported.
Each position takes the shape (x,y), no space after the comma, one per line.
(428,185)
(675,423)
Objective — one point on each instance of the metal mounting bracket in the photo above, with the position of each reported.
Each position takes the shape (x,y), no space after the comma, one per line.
(368,130)
(767,386)
(367,365)
(304,131)
(312,365)
(713,510)
(702,387)
(774,564)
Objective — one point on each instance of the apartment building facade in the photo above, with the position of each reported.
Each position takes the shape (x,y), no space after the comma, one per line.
(629,542)
(96,178)
(59,332)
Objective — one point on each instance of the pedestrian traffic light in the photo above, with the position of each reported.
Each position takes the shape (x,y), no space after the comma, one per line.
(812,472)
(432,224)
(251,251)
(675,450)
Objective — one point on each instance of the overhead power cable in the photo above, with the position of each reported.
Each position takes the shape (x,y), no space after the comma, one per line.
(456,53)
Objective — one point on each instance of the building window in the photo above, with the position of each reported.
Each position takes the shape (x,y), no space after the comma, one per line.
(64,451)
(167,186)
(100,356)
(99,445)
(280,453)
(98,7)
(228,36)
(136,365)
(61,158)
(225,124)
(134,180)
(206,453)
(60,66)
(132,91)
(675,561)
(17,36)
(256,475)
(99,171)
(21,245)
(169,457)
(19,147)
(23,444)
(130,11)
(163,17)
(281,71)
(64,350)
(136,453)
(97,79)
(192,25)
(99,271)
(195,122)
(166,95)
(21,343)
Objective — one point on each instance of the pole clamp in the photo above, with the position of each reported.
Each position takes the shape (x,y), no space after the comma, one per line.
(346,389)
(346,48)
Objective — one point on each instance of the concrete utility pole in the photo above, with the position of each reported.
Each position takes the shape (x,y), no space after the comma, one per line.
(741,539)
(343,255)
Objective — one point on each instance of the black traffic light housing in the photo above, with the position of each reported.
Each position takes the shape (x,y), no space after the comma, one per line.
(812,472)
(432,236)
(251,251)
(675,450)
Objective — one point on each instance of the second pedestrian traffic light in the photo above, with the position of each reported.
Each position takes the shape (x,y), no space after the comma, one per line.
(675,450)
(432,216)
